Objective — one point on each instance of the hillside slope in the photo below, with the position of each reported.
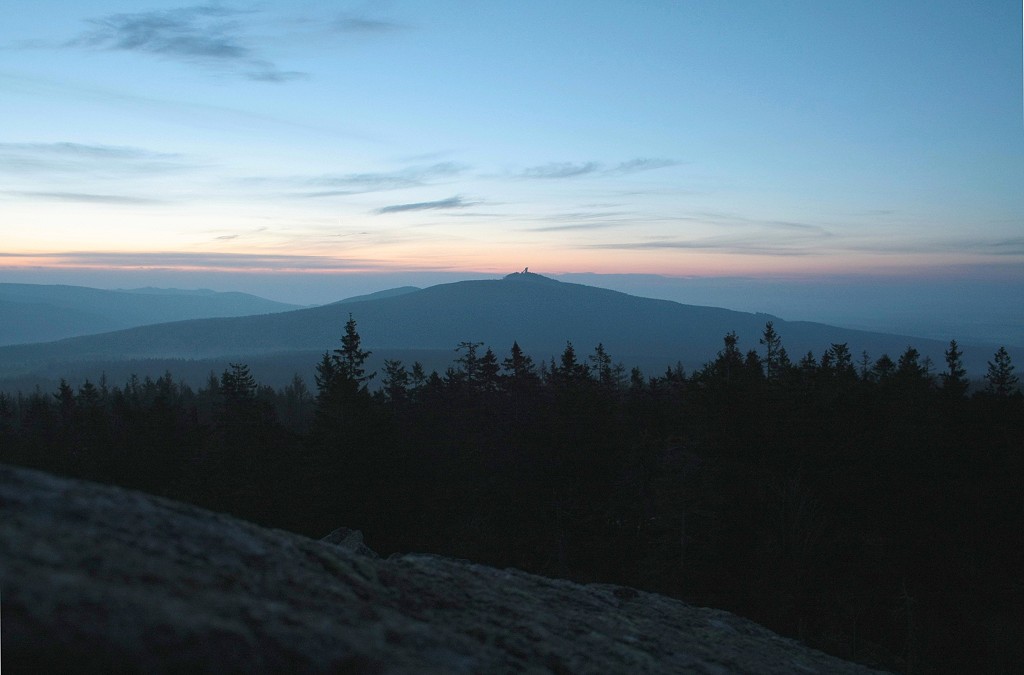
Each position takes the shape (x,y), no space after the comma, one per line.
(44,313)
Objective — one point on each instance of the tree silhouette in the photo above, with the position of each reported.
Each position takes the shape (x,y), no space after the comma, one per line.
(518,366)
(490,371)
(910,370)
(841,360)
(343,397)
(776,360)
(883,368)
(237,385)
(729,362)
(1001,380)
(570,371)
(350,358)
(954,378)
(395,383)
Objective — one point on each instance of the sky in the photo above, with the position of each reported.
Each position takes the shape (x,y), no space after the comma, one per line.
(303,150)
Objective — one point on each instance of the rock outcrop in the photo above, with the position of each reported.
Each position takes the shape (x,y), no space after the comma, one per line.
(100,579)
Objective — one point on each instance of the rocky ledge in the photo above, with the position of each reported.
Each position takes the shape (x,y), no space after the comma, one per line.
(100,579)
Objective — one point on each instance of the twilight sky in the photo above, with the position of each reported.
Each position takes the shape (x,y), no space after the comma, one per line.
(684,138)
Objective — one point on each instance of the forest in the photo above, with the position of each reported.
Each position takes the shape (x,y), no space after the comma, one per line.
(868,506)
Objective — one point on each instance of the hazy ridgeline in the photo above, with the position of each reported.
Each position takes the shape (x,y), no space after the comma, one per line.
(871,508)
(406,324)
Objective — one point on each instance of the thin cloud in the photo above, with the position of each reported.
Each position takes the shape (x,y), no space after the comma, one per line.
(554,170)
(561,170)
(20,158)
(642,164)
(732,220)
(712,244)
(582,220)
(575,226)
(799,241)
(1014,246)
(82,150)
(786,242)
(208,35)
(362,183)
(200,260)
(351,23)
(264,71)
(84,197)
(450,203)
(329,193)
(188,32)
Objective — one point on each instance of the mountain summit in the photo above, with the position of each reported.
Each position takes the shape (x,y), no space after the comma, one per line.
(539,313)
(527,275)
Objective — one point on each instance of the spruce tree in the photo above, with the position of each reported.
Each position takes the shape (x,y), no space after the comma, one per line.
(1001,380)
(954,378)
(351,358)
(776,361)
(396,381)
(518,366)
(341,378)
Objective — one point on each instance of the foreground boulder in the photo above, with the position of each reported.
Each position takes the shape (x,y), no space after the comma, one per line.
(100,579)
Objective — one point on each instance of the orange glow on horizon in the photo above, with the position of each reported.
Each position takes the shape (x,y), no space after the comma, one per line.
(671,263)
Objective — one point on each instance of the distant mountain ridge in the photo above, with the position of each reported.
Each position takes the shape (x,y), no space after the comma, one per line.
(539,313)
(387,293)
(44,313)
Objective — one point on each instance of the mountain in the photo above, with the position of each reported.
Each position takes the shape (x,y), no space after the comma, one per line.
(389,293)
(43,313)
(541,314)
(100,579)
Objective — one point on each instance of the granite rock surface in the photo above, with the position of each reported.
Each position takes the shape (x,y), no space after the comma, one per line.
(99,579)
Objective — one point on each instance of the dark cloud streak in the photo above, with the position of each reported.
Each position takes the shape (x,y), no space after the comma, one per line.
(84,197)
(575,226)
(642,164)
(556,170)
(361,24)
(18,158)
(450,203)
(561,170)
(205,34)
(362,183)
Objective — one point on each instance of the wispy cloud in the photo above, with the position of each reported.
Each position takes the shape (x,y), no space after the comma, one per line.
(810,240)
(572,227)
(642,164)
(450,203)
(199,260)
(209,35)
(20,158)
(989,246)
(582,220)
(560,170)
(728,244)
(554,170)
(1012,246)
(365,182)
(353,23)
(738,235)
(734,220)
(83,197)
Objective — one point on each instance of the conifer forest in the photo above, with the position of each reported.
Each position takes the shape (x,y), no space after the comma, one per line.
(868,505)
